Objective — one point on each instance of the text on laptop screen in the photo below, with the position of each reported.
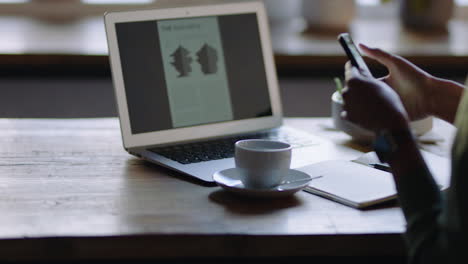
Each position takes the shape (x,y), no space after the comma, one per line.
(192,71)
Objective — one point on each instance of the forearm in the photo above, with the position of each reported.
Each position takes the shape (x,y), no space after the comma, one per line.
(444,99)
(412,177)
(419,196)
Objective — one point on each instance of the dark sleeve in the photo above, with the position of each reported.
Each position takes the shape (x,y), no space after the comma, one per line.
(437,223)
(421,203)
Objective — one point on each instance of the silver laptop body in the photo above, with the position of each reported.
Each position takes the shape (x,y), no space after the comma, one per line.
(197,74)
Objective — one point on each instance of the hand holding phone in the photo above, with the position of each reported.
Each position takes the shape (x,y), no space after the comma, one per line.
(353,53)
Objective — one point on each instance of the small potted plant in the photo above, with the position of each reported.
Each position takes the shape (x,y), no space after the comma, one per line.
(359,134)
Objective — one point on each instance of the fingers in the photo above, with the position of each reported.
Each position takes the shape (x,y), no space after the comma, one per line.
(387,80)
(394,63)
(383,79)
(355,73)
(380,55)
(347,113)
(348,65)
(352,72)
(348,68)
(344,115)
(353,94)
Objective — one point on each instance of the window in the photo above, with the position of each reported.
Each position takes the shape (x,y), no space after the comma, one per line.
(68,8)
(79,8)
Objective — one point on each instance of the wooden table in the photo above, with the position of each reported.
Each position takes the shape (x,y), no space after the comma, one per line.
(68,191)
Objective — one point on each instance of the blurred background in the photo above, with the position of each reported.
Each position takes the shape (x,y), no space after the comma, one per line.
(54,63)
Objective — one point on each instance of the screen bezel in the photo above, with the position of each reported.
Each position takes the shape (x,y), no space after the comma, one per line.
(201,131)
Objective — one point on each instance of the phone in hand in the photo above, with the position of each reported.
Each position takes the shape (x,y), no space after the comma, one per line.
(353,53)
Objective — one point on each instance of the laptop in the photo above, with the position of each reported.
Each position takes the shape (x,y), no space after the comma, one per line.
(190,81)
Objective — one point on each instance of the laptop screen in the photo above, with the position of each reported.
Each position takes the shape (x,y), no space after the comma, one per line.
(192,71)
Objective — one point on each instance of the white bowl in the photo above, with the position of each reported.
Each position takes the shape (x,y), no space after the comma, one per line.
(360,134)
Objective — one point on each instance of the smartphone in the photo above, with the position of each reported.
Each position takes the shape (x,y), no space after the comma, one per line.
(353,53)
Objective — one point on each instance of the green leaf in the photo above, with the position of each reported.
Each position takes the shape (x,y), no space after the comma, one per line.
(339,85)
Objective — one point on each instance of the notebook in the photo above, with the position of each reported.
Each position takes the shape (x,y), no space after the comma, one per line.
(192,80)
(357,184)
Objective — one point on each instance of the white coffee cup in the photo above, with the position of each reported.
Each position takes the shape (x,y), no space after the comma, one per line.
(262,163)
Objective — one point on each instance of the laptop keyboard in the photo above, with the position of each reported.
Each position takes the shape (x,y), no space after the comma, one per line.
(224,148)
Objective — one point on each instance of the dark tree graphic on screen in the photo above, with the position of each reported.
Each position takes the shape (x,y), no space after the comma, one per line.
(208,59)
(182,61)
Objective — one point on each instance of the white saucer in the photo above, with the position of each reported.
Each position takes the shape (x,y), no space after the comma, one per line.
(230,180)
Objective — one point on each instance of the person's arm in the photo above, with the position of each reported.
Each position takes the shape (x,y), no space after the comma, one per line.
(420,200)
(421,93)
(375,106)
(445,97)
(437,230)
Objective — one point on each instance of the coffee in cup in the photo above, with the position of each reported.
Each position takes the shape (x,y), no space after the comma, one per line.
(262,163)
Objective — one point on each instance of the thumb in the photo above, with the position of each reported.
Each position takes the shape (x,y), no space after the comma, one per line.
(379,55)
(351,72)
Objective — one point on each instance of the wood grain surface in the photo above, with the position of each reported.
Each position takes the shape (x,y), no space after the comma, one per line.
(68,191)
